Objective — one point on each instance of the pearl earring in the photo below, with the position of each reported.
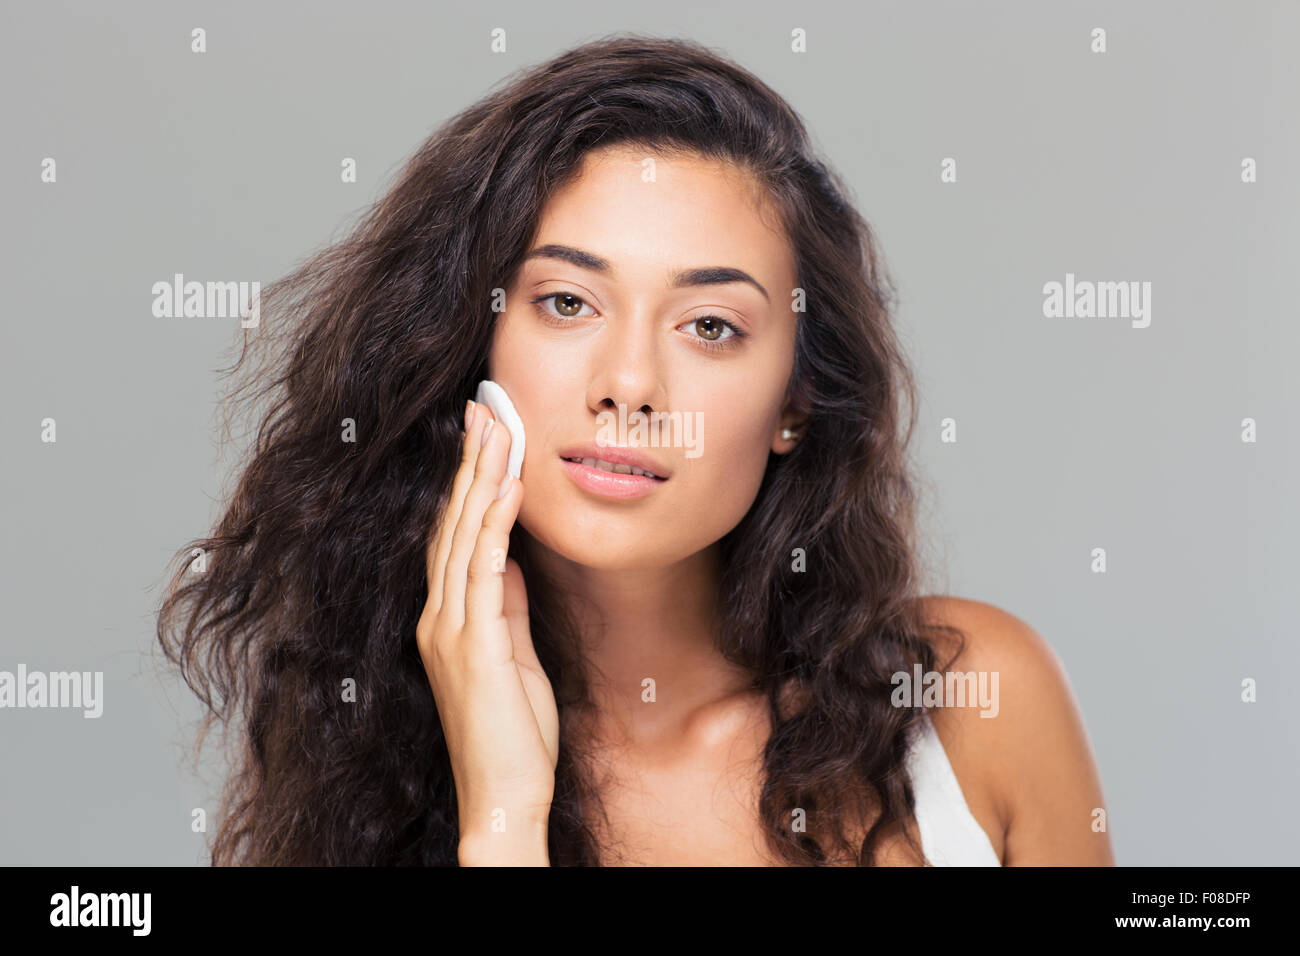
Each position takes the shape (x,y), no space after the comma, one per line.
(787,434)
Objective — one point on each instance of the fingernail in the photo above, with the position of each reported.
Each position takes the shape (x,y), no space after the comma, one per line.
(469,415)
(487,430)
(505,486)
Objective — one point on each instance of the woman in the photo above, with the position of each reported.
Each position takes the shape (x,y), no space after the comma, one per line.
(699,665)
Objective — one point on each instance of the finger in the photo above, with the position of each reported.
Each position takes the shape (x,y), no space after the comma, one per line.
(515,610)
(441,546)
(488,472)
(485,593)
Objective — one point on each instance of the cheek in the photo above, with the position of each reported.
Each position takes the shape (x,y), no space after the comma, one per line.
(733,455)
(528,378)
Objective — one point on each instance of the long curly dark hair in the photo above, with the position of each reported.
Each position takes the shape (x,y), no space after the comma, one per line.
(315,572)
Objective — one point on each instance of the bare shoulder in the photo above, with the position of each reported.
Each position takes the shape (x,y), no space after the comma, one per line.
(1020,751)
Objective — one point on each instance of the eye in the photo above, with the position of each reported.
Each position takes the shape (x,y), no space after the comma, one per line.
(716,332)
(570,307)
(711,331)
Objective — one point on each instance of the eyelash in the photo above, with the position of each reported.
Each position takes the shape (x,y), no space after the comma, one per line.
(712,345)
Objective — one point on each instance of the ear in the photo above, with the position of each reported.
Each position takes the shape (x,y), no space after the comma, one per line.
(793,422)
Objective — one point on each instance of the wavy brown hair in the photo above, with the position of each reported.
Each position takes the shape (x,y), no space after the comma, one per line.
(316,569)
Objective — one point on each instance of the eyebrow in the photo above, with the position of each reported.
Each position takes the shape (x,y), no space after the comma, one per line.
(712,275)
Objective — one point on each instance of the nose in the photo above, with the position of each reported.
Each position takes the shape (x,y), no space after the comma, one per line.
(628,368)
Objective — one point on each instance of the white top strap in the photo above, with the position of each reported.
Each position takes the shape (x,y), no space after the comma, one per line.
(950,835)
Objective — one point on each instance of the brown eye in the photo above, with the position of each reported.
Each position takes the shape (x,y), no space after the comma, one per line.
(709,327)
(565,302)
(553,306)
(715,333)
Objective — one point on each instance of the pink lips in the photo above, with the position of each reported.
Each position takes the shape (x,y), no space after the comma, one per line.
(609,484)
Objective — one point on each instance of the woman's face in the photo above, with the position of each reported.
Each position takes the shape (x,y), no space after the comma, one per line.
(700,366)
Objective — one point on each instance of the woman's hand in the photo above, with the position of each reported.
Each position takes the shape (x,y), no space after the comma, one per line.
(494,700)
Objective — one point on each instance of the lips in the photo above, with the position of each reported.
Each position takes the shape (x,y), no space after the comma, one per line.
(616,459)
(603,465)
(610,485)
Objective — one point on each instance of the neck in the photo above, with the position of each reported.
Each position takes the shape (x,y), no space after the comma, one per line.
(649,624)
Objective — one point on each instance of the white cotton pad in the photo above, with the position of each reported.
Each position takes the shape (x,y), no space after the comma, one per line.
(494,397)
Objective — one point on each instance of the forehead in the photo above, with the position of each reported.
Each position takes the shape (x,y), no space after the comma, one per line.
(639,208)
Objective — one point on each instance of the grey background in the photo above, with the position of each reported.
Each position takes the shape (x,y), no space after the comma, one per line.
(1073,433)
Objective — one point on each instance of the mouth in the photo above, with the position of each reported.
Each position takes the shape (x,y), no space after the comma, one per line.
(617,460)
(617,469)
(618,481)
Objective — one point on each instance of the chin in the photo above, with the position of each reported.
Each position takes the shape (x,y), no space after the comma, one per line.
(586,550)
(602,543)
